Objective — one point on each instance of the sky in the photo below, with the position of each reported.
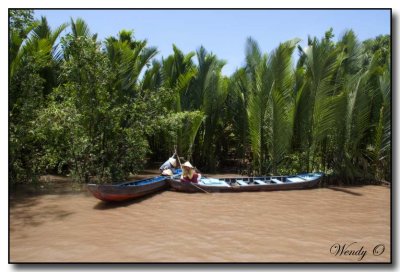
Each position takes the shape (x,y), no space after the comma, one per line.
(224,32)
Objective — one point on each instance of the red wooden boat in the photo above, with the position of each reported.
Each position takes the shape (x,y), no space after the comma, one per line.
(128,190)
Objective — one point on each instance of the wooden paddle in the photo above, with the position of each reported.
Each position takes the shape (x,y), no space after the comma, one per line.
(199,188)
(179,161)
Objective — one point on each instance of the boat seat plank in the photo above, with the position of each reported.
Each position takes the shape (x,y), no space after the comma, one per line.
(295,179)
(304,177)
(213,182)
(259,181)
(241,182)
(277,181)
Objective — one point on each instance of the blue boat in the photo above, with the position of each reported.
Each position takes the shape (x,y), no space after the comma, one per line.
(247,184)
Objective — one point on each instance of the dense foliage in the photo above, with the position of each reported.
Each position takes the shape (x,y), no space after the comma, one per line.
(102,109)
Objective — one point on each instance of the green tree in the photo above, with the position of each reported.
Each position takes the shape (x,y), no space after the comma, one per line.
(101,136)
(208,93)
(268,89)
(33,72)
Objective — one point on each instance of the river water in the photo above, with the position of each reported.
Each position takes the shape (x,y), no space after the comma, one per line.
(337,224)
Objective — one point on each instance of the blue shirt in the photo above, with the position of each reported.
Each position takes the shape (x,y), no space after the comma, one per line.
(167,165)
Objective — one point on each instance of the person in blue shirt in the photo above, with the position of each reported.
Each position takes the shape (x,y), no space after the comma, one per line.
(169,167)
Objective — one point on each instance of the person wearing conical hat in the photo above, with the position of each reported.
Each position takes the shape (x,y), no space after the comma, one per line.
(169,167)
(189,174)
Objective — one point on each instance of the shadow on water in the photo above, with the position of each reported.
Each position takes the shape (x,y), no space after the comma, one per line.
(118,204)
(344,190)
(22,201)
(27,214)
(26,191)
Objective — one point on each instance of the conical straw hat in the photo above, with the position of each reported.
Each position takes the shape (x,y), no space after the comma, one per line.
(187,164)
(172,161)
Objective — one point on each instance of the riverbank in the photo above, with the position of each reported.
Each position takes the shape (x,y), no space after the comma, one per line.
(282,226)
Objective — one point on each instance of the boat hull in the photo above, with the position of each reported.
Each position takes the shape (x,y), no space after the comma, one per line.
(189,187)
(122,193)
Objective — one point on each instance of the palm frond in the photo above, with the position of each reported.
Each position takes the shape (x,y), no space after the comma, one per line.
(281,107)
(80,28)
(253,55)
(191,126)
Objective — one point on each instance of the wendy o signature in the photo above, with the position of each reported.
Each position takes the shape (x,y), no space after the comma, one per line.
(353,249)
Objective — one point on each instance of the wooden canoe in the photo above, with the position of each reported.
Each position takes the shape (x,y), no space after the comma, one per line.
(128,190)
(247,184)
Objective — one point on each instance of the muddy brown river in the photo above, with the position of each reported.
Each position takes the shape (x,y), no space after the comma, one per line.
(338,224)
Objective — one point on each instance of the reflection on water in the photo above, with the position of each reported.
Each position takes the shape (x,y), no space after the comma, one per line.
(282,226)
